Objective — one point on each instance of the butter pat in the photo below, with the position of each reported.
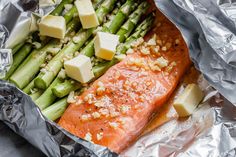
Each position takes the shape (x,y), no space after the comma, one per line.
(53,26)
(87,13)
(105,45)
(79,69)
(186,103)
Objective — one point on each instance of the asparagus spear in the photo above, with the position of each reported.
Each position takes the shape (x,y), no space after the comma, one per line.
(35,95)
(119,19)
(29,87)
(145,26)
(17,47)
(139,32)
(129,25)
(18,58)
(60,7)
(69,15)
(56,110)
(47,98)
(43,80)
(30,67)
(58,10)
(63,89)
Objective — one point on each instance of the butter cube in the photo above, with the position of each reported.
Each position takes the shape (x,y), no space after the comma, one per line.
(186,103)
(105,45)
(87,15)
(79,68)
(53,26)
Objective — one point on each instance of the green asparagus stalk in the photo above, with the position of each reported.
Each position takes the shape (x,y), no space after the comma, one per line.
(70,14)
(47,98)
(116,23)
(97,3)
(63,89)
(43,80)
(60,7)
(55,111)
(17,47)
(35,95)
(139,32)
(30,67)
(18,58)
(101,68)
(133,20)
(28,88)
(24,48)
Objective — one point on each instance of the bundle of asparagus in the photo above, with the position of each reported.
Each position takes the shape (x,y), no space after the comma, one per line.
(39,72)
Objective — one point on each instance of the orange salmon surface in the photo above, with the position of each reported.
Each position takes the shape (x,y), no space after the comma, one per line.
(115,109)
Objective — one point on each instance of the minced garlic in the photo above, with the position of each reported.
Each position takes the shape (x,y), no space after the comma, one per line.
(161,62)
(114,125)
(96,115)
(99,136)
(88,136)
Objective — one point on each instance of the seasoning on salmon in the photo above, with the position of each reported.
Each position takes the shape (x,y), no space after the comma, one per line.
(116,108)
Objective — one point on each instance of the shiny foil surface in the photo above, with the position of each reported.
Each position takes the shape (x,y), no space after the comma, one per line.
(209,29)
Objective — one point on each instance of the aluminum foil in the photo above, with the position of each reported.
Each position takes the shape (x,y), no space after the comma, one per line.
(209,132)
(18,111)
(209,29)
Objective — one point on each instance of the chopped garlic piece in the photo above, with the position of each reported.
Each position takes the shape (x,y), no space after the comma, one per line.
(99,136)
(114,125)
(125,108)
(85,117)
(161,62)
(68,7)
(120,57)
(37,44)
(130,51)
(96,115)
(104,111)
(71,98)
(88,136)
(164,48)
(152,41)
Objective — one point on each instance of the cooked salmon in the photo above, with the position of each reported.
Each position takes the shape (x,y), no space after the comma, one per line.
(115,109)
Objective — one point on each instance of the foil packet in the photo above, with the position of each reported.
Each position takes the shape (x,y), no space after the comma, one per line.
(208,28)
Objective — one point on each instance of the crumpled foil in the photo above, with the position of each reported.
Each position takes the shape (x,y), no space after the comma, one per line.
(19,112)
(209,29)
(209,132)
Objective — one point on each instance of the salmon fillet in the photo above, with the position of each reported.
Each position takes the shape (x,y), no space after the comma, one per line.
(115,109)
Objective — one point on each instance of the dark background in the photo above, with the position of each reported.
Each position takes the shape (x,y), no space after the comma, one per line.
(12,145)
